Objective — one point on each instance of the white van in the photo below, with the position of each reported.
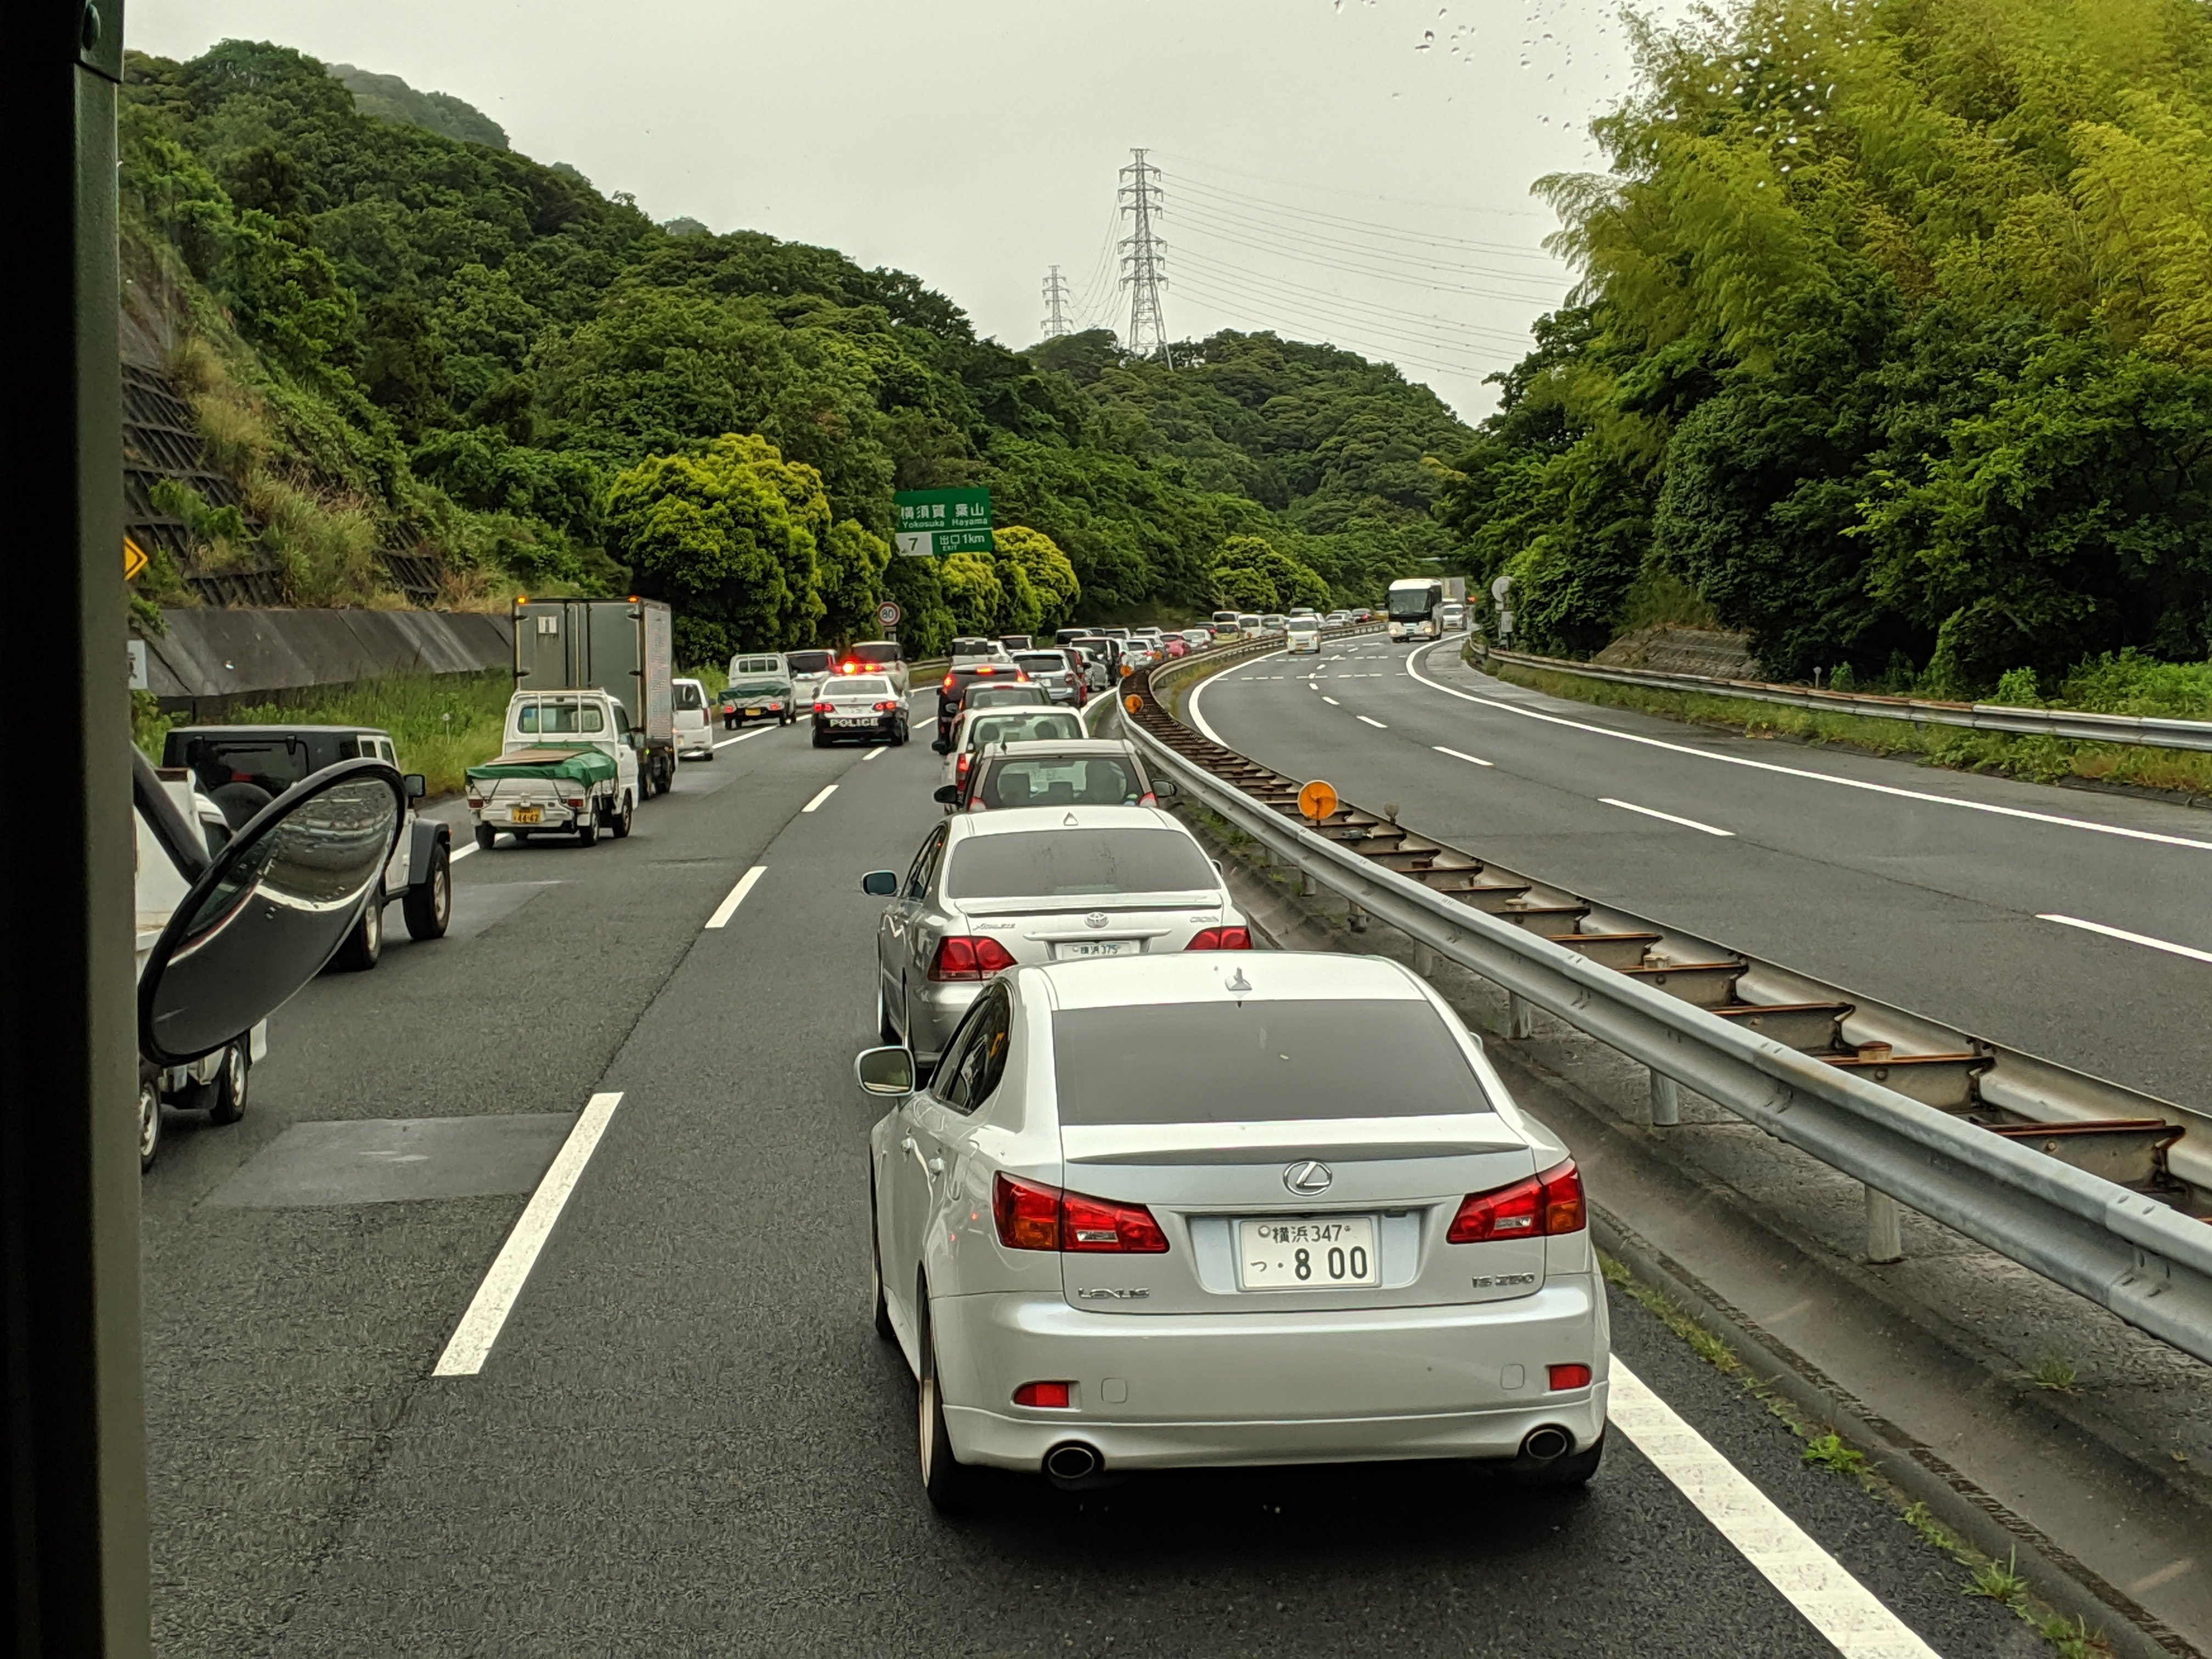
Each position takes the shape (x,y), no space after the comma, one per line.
(694,721)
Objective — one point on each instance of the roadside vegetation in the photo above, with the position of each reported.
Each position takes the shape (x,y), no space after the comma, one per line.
(1894,350)
(401,335)
(2038,760)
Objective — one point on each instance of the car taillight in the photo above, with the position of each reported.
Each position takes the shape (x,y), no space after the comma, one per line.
(1540,1206)
(1220,938)
(822,709)
(1032,1216)
(476,801)
(961,955)
(961,771)
(1051,1393)
(887,708)
(1559,1377)
(947,686)
(575,803)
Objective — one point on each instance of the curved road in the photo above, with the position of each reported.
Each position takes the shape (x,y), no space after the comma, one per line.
(684,1436)
(1934,890)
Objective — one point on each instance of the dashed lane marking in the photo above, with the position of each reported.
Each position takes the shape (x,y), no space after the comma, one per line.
(728,907)
(816,803)
(1473,760)
(1372,722)
(1654,812)
(1331,702)
(743,736)
(470,1344)
(1818,777)
(1810,1580)
(872,753)
(2143,939)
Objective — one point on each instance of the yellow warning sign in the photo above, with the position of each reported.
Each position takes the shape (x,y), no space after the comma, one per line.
(134,560)
(1316,800)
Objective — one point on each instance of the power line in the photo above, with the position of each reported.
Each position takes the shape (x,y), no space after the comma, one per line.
(1307,186)
(1144,263)
(1300,294)
(1055,301)
(1355,334)
(1091,305)
(1337,221)
(1366,246)
(1405,277)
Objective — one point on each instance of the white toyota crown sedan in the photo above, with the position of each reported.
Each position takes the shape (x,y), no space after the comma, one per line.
(1317,1230)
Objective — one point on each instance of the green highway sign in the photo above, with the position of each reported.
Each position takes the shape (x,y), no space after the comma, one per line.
(934,522)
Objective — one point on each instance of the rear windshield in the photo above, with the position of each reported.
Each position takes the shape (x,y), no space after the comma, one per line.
(1086,780)
(859,686)
(1230,1061)
(1073,863)
(874,651)
(273,763)
(985,696)
(1038,662)
(688,695)
(1022,725)
(810,662)
(755,665)
(545,717)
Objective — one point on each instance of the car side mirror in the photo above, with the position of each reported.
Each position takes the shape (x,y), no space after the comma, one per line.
(415,784)
(941,746)
(269,910)
(885,1071)
(1162,787)
(880,883)
(948,794)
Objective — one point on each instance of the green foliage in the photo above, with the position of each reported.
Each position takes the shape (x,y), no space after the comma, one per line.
(1897,325)
(441,344)
(1827,1451)
(1249,574)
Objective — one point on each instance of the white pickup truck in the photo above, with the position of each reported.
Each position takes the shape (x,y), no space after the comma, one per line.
(568,765)
(215,1083)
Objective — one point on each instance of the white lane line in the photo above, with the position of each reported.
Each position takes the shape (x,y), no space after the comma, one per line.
(470,1343)
(1474,760)
(728,907)
(1810,1580)
(2145,940)
(1377,724)
(1817,777)
(1199,691)
(872,753)
(1654,812)
(1331,702)
(758,731)
(812,805)
(460,852)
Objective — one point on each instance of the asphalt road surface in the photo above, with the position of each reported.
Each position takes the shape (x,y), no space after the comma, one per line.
(685,1438)
(1930,890)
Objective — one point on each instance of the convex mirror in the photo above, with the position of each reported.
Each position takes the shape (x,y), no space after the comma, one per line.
(269,910)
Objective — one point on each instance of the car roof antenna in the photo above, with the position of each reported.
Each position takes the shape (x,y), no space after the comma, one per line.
(1238,982)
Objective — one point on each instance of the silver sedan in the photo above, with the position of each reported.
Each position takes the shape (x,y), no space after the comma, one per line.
(989,891)
(1320,1231)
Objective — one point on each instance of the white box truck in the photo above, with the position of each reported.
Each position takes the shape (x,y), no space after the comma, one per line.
(625,647)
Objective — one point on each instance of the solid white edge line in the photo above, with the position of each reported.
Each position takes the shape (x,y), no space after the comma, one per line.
(1654,812)
(1474,760)
(728,907)
(1843,1610)
(471,1341)
(1377,724)
(1211,680)
(818,800)
(456,854)
(2144,939)
(1802,772)
(872,753)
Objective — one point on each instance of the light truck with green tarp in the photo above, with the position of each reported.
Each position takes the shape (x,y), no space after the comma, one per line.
(569,765)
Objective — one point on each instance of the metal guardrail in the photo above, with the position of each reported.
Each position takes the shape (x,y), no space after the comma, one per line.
(1859,1085)
(2078,726)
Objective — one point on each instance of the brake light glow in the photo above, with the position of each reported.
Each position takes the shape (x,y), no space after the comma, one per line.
(822,709)
(887,708)
(1052,1394)
(962,769)
(1220,938)
(962,956)
(1559,1377)
(1540,1206)
(848,668)
(1031,1216)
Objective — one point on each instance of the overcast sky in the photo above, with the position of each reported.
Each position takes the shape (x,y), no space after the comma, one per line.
(1356,171)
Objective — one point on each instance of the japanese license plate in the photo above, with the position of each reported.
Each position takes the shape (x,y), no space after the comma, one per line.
(754,713)
(525,815)
(1094,947)
(1307,1253)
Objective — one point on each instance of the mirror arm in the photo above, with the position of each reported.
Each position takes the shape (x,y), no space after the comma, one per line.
(179,838)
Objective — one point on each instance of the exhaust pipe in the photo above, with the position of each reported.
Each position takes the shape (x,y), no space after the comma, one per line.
(1545,1444)
(1072,1462)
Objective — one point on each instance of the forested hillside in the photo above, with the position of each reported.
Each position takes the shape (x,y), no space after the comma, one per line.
(1895,348)
(399,340)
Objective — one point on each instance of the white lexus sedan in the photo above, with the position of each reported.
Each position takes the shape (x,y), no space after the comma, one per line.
(1321,1231)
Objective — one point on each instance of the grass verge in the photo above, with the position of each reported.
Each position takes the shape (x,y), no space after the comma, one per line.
(2038,760)
(1825,1449)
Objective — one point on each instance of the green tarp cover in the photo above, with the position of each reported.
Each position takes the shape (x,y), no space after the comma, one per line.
(547,761)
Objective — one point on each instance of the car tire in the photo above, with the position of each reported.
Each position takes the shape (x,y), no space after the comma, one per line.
(231,1083)
(821,738)
(486,837)
(365,945)
(428,906)
(587,829)
(707,753)
(949,1485)
(618,825)
(1563,1474)
(150,1117)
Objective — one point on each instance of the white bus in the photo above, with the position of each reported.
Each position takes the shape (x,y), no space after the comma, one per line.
(1412,605)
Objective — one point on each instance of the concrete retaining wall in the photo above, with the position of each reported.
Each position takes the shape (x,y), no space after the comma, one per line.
(210,658)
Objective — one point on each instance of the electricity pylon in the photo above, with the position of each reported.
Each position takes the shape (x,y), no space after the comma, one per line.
(1144,260)
(1055,303)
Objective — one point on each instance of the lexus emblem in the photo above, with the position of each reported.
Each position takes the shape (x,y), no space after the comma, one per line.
(1307,1179)
(1095,919)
